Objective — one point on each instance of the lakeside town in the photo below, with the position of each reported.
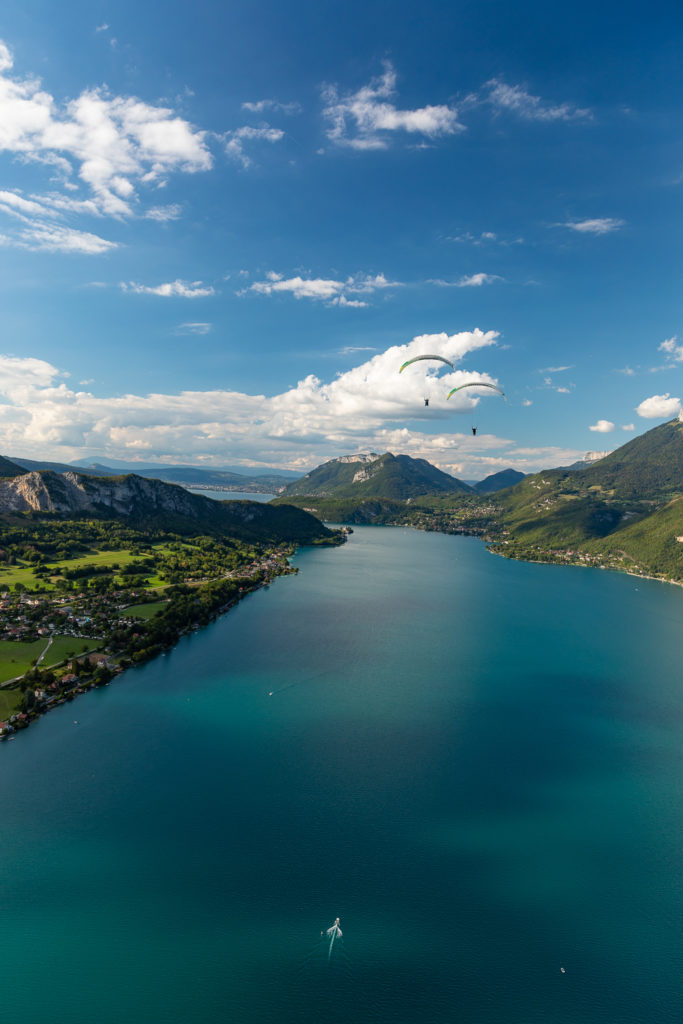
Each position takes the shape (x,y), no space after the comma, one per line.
(62,645)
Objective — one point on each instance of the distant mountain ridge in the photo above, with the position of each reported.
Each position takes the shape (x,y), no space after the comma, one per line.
(396,477)
(187,475)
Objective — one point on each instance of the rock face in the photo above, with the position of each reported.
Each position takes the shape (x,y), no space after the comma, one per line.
(157,504)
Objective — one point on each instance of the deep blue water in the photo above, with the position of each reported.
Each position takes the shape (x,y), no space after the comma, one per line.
(475,763)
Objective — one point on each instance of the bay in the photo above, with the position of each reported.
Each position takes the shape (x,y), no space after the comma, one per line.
(474,763)
(231,495)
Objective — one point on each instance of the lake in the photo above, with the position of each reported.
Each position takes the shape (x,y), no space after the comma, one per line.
(475,763)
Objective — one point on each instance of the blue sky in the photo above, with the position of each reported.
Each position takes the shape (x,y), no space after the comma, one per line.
(224,227)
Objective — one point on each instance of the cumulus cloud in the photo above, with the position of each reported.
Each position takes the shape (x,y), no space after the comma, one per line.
(330,290)
(366,119)
(516,100)
(659,407)
(628,426)
(596,226)
(115,146)
(184,289)
(603,427)
(234,145)
(368,407)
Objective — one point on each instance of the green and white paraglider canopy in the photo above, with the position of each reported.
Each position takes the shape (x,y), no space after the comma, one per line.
(476,384)
(416,359)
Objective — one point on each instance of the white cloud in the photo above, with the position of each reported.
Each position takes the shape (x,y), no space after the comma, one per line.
(366,119)
(299,287)
(54,238)
(260,106)
(627,371)
(516,100)
(164,213)
(115,144)
(556,369)
(185,289)
(467,281)
(193,328)
(326,289)
(628,426)
(603,427)
(596,226)
(367,407)
(234,145)
(659,407)
(527,402)
(674,352)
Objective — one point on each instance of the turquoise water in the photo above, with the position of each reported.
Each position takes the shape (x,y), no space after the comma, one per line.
(474,763)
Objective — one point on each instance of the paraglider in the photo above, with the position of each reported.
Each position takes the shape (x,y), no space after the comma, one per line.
(416,359)
(476,384)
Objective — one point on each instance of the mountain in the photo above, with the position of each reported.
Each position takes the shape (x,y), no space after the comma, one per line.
(499,481)
(187,475)
(8,469)
(626,506)
(155,504)
(397,477)
(648,466)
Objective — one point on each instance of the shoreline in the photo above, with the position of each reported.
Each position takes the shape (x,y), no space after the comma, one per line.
(20,720)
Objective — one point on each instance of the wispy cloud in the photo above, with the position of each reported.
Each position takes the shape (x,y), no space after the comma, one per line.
(673,351)
(468,281)
(367,119)
(596,226)
(628,426)
(261,106)
(556,369)
(184,289)
(514,99)
(56,238)
(193,328)
(235,141)
(164,213)
(603,427)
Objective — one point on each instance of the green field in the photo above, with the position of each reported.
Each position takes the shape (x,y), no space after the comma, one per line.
(143,611)
(63,646)
(16,657)
(23,573)
(9,702)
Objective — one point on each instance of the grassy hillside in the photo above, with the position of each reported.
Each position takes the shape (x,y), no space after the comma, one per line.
(648,466)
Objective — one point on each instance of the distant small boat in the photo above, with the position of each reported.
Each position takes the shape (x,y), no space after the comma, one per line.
(333,932)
